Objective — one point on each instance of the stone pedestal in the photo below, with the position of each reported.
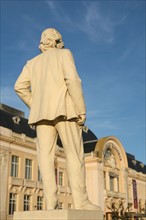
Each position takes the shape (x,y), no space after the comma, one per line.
(68,214)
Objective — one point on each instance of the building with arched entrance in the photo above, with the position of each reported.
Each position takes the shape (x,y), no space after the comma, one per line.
(115,179)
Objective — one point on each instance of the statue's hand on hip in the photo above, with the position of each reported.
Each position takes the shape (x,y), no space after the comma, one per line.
(81,120)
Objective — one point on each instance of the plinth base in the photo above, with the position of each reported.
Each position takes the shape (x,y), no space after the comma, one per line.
(67,214)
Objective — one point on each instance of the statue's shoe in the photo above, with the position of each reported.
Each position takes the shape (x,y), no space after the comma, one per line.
(89,206)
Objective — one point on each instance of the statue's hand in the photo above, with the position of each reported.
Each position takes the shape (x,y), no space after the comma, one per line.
(81,120)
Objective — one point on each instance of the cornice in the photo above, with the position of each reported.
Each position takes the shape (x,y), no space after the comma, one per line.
(138,176)
(92,160)
(13,140)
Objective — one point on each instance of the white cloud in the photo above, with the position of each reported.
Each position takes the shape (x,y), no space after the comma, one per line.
(93,21)
(98,25)
(51,4)
(59,13)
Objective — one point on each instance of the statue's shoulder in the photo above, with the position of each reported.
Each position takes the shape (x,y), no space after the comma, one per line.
(31,60)
(66,52)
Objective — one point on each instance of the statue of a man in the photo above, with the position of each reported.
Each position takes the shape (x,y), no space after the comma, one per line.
(50,86)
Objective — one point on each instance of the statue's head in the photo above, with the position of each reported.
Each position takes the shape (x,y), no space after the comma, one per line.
(50,38)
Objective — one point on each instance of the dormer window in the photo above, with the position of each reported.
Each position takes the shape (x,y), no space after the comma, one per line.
(32,127)
(134,162)
(16,119)
(142,165)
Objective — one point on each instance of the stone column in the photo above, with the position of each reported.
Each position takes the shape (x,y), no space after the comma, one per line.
(125,184)
(100,185)
(4,173)
(95,182)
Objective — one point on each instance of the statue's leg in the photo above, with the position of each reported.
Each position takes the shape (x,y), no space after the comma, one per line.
(71,137)
(46,143)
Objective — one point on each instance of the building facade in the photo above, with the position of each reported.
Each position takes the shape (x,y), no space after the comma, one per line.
(115,180)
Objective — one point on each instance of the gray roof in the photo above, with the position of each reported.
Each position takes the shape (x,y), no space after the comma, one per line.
(135,164)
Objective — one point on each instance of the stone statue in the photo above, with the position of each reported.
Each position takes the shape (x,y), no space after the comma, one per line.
(50,86)
(109,159)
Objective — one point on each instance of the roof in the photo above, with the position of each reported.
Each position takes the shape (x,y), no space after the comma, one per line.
(12,110)
(135,164)
(7,121)
(15,122)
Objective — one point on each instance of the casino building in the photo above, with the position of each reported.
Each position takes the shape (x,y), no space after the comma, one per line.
(115,180)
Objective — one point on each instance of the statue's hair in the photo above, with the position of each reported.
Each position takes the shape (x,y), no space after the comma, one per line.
(50,38)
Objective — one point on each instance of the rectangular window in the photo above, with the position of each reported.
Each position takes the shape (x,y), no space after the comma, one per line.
(39,203)
(111,183)
(28,169)
(26,203)
(60,178)
(14,166)
(39,175)
(12,203)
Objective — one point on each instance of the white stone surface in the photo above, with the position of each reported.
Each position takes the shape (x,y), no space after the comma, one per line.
(4,169)
(68,214)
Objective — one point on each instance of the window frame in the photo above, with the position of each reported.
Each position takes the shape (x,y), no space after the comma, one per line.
(26,204)
(12,203)
(15,166)
(39,202)
(112,184)
(60,178)
(28,169)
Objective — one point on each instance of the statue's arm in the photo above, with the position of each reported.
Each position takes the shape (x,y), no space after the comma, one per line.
(73,82)
(23,87)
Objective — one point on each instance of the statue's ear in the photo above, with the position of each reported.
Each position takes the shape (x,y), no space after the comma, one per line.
(59,44)
(58,41)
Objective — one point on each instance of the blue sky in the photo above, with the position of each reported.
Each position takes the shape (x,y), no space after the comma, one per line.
(107,39)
